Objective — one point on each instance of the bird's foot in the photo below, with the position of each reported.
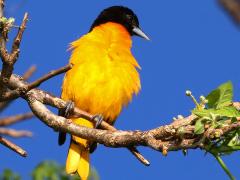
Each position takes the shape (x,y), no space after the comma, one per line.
(68,110)
(98,120)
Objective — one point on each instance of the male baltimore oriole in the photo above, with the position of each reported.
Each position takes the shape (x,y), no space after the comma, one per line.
(104,76)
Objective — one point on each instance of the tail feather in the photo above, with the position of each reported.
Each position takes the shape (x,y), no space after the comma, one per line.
(78,154)
(84,166)
(73,158)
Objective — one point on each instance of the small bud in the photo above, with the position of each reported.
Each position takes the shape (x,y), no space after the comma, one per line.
(3,19)
(11,20)
(211,136)
(188,93)
(217,134)
(164,151)
(202,98)
(181,131)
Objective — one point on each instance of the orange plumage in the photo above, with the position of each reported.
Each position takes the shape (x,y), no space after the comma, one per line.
(103,79)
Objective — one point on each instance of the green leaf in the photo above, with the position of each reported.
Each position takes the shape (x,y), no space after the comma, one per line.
(228,111)
(199,127)
(202,112)
(221,97)
(219,124)
(213,98)
(233,120)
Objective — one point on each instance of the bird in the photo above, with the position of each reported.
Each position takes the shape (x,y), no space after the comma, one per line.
(103,79)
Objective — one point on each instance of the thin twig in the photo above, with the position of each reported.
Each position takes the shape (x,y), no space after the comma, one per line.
(48,76)
(138,155)
(1,8)
(18,38)
(16,118)
(15,133)
(21,90)
(29,73)
(13,147)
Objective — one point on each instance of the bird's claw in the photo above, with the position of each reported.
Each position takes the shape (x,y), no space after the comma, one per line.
(69,109)
(98,120)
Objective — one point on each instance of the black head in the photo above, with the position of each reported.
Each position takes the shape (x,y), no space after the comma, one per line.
(121,15)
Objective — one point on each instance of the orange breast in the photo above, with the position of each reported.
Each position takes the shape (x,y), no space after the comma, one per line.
(104,76)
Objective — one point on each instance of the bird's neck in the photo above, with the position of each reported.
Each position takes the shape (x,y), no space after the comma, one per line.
(114,33)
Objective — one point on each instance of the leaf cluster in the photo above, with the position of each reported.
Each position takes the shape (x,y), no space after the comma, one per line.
(217,113)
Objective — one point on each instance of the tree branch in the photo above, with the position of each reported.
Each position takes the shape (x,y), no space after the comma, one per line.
(232,7)
(49,99)
(10,59)
(26,76)
(162,138)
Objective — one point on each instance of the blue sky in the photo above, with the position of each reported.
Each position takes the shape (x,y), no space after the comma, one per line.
(194,45)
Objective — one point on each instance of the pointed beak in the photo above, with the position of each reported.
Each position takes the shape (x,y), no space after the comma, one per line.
(137,31)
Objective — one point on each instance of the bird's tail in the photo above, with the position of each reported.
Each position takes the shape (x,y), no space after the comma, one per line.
(78,153)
